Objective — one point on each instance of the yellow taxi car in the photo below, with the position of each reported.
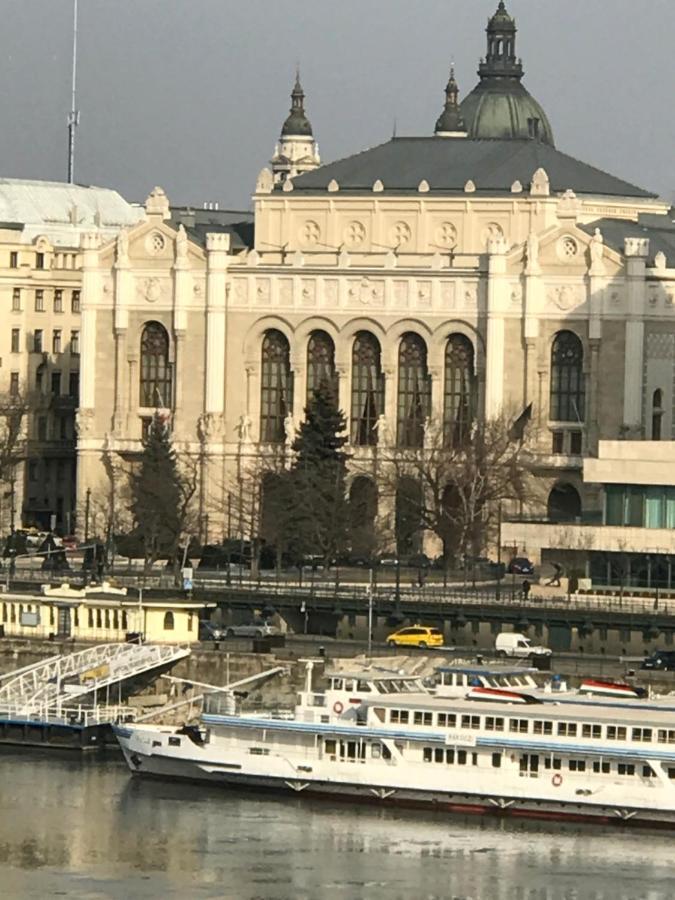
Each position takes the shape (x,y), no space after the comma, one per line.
(416,636)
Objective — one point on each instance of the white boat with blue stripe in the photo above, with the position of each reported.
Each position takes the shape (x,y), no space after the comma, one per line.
(388,738)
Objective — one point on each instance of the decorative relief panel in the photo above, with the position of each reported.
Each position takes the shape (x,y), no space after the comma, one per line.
(155,243)
(446,235)
(240,291)
(262,291)
(331,293)
(354,234)
(424,294)
(470,296)
(286,292)
(365,292)
(400,234)
(660,346)
(151,289)
(308,292)
(401,294)
(310,233)
(447,294)
(567,248)
(565,296)
(491,231)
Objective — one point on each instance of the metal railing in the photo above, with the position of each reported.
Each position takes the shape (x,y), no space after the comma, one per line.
(48,713)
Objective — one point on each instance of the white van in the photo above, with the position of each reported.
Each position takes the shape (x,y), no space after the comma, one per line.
(514,644)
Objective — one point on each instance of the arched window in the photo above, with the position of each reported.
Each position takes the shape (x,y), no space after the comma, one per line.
(657,414)
(567,378)
(320,363)
(168,621)
(459,401)
(414,391)
(367,389)
(363,510)
(564,503)
(155,367)
(408,517)
(276,387)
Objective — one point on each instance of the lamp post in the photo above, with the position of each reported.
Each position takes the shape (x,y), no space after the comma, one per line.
(499,550)
(87,503)
(370,611)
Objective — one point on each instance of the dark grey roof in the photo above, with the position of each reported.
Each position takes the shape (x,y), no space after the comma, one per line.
(200,222)
(659,229)
(447,164)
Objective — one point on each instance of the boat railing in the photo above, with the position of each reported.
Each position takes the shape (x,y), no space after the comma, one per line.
(84,716)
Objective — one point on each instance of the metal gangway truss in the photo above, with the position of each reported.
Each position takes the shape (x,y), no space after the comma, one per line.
(61,679)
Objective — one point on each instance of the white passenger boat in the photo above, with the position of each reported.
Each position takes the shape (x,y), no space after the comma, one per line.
(392,739)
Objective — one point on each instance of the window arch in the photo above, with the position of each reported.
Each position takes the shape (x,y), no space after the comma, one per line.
(155,384)
(276,386)
(414,391)
(657,414)
(320,363)
(367,389)
(459,399)
(567,378)
(564,503)
(168,621)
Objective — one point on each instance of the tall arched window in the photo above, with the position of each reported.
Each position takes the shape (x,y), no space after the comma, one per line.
(657,414)
(367,389)
(168,621)
(459,400)
(567,378)
(276,387)
(414,391)
(320,363)
(155,367)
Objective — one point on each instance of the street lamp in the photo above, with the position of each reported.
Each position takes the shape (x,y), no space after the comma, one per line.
(87,503)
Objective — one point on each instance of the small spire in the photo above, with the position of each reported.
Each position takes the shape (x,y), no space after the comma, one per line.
(297,122)
(450,120)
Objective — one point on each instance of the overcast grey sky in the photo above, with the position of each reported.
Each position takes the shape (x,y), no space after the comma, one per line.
(191,94)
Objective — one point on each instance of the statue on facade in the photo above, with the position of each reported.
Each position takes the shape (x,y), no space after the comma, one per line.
(381,429)
(289,428)
(596,250)
(123,248)
(244,429)
(430,433)
(181,243)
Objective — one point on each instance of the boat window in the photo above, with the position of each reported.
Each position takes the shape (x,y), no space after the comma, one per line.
(447,678)
(647,772)
(439,755)
(568,729)
(427,754)
(671,772)
(577,765)
(174,742)
(461,757)
(496,760)
(382,687)
(446,720)
(541,726)
(666,736)
(616,733)
(363,686)
(470,721)
(591,731)
(349,685)
(399,716)
(552,762)
(626,769)
(601,766)
(156,743)
(422,718)
(330,746)
(376,751)
(643,735)
(494,723)
(259,751)
(337,684)
(379,712)
(519,725)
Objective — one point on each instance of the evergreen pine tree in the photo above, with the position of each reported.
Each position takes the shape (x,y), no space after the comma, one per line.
(317,481)
(157,493)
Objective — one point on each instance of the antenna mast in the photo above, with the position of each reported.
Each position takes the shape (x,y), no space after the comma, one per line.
(74,115)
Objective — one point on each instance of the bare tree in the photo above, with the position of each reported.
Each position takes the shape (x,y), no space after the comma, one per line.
(13,408)
(460,486)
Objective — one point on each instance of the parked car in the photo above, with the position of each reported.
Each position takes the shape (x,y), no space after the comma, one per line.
(416,636)
(519,646)
(209,631)
(664,660)
(520,565)
(388,562)
(254,630)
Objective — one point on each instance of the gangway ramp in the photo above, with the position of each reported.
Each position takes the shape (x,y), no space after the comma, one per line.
(64,678)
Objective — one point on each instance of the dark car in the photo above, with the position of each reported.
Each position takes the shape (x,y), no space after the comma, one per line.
(664,660)
(520,565)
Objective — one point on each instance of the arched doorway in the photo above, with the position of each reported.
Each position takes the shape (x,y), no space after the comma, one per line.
(363,510)
(564,503)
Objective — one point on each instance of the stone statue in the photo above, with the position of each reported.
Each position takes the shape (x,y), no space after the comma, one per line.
(244,428)
(181,243)
(289,428)
(123,247)
(596,245)
(381,430)
(431,433)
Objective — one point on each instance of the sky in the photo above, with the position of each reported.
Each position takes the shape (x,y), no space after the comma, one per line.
(191,94)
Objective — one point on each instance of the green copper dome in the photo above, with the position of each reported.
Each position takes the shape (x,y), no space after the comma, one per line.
(500,106)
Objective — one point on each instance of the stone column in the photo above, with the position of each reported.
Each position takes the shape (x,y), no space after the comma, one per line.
(592,413)
(217,247)
(390,403)
(636,251)
(91,296)
(121,390)
(436,406)
(299,375)
(179,366)
(494,363)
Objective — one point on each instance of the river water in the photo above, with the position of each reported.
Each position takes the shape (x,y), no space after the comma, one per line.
(77,827)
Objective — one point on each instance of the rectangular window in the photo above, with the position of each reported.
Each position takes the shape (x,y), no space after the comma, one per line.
(447,720)
(74,385)
(56,341)
(494,723)
(591,731)
(58,301)
(39,260)
(647,772)
(461,757)
(14,384)
(330,746)
(32,469)
(496,760)
(666,736)
(643,735)
(439,755)
(13,259)
(427,754)
(470,721)
(575,443)
(577,765)
(552,762)
(557,442)
(542,727)
(75,302)
(567,729)
(16,340)
(16,299)
(614,503)
(63,428)
(393,716)
(450,758)
(56,383)
(42,428)
(601,766)
(635,506)
(37,340)
(39,301)
(422,718)
(626,769)
(518,725)
(74,342)
(38,380)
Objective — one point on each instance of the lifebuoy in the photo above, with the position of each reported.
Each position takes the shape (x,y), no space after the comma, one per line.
(556,781)
(337,707)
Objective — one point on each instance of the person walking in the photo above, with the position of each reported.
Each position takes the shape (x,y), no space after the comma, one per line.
(526,589)
(554,580)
